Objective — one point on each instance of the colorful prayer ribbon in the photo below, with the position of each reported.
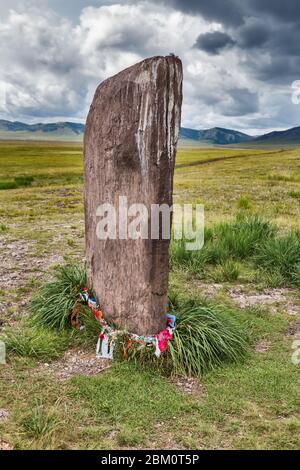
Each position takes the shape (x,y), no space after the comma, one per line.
(106,340)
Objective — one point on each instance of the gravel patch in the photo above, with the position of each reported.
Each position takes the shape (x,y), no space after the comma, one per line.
(5,446)
(271,298)
(77,363)
(4,414)
(262,346)
(189,385)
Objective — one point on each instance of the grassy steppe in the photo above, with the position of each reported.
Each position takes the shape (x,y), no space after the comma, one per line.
(254,404)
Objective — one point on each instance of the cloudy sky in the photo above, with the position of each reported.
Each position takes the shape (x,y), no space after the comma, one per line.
(240,57)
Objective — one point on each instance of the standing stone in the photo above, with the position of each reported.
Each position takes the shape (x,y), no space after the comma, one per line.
(129,150)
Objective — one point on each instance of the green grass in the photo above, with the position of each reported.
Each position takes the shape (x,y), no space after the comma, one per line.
(218,178)
(132,401)
(239,239)
(38,423)
(281,255)
(52,304)
(226,245)
(227,271)
(247,239)
(8,185)
(295,194)
(4,228)
(205,337)
(271,278)
(244,203)
(40,343)
(18,182)
(252,403)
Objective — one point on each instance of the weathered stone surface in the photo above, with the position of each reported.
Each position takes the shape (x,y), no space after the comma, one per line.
(129,149)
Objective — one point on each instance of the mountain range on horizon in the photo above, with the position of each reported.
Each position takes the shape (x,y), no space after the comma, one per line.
(72,131)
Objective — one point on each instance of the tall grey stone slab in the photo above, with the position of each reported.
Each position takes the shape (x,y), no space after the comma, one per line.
(129,150)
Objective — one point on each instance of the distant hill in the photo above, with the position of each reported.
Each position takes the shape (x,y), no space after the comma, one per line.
(288,137)
(216,136)
(73,132)
(69,131)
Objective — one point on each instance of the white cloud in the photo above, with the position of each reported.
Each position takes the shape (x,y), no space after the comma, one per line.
(53,67)
(39,65)
(50,66)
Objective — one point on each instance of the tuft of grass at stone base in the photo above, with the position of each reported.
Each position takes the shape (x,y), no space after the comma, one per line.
(27,340)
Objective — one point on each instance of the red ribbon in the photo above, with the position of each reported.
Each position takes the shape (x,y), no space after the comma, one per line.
(163,338)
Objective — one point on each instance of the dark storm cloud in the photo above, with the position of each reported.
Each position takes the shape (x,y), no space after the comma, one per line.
(234,12)
(283,10)
(267,30)
(253,35)
(241,101)
(277,70)
(213,42)
(228,12)
(286,41)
